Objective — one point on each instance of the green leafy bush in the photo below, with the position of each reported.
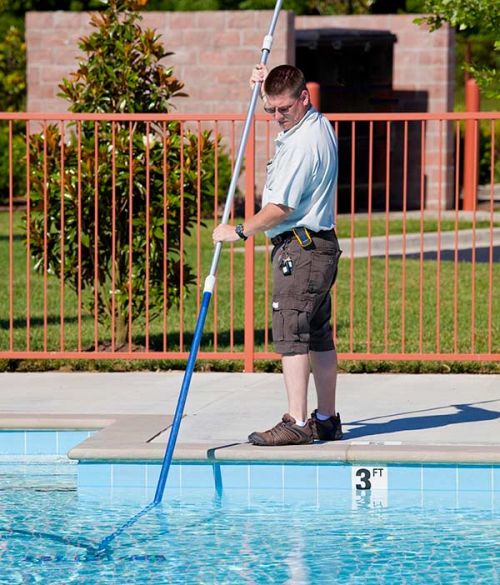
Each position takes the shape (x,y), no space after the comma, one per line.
(16,167)
(12,99)
(160,174)
(12,71)
(474,17)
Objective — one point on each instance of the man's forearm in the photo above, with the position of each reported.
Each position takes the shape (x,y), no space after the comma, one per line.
(269,216)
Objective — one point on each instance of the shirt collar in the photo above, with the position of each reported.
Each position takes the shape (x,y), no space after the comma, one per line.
(285,134)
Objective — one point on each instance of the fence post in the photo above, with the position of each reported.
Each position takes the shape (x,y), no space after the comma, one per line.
(249,333)
(471,145)
(314,94)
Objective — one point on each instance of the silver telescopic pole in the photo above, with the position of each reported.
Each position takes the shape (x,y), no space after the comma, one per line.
(266,49)
(210,280)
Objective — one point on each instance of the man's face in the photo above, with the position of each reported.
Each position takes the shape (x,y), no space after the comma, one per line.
(286,109)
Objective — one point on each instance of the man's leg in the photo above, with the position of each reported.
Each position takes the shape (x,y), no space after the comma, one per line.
(296,371)
(294,428)
(326,424)
(291,303)
(324,368)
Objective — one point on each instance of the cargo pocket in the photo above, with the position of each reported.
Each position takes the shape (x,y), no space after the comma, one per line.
(291,321)
(338,253)
(278,325)
(324,270)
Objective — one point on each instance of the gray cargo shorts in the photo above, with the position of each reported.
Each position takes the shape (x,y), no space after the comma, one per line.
(301,301)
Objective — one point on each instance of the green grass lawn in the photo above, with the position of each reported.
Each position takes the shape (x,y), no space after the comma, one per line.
(360,227)
(393,321)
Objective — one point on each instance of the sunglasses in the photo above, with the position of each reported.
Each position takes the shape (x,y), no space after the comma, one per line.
(282,110)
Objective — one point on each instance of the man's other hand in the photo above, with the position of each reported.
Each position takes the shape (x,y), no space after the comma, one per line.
(259,74)
(224,233)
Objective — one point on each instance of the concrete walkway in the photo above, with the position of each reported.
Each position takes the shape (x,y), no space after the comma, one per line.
(412,244)
(387,417)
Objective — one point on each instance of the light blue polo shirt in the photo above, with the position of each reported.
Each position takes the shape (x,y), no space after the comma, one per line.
(303,175)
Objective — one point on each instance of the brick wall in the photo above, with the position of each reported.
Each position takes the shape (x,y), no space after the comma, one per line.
(214,52)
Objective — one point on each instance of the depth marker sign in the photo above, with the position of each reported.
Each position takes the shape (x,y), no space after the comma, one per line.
(369,478)
(369,486)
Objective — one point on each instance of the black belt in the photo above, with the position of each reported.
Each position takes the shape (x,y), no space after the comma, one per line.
(287,236)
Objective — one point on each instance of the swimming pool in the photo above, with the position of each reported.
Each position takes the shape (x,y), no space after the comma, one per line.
(241,523)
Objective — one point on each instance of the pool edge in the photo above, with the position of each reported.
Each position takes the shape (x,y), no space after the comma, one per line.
(130,438)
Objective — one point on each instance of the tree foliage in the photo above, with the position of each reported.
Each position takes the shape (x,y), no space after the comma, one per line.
(298,6)
(156,177)
(12,99)
(122,71)
(19,7)
(12,71)
(470,15)
(470,18)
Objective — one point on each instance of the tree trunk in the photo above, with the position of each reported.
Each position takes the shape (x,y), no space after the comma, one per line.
(121,330)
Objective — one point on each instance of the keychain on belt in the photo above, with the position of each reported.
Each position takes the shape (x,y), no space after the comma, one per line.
(286,263)
(286,266)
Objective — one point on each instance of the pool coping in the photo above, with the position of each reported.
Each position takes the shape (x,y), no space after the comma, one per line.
(130,438)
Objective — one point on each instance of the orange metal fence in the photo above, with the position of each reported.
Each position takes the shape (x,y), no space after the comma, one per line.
(105,227)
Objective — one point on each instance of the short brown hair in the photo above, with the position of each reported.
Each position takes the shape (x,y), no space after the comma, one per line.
(285,79)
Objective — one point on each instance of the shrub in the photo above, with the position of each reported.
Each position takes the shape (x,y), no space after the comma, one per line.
(12,71)
(18,162)
(122,73)
(12,99)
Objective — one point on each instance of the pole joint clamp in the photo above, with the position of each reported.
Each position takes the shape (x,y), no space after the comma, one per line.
(267,43)
(209,284)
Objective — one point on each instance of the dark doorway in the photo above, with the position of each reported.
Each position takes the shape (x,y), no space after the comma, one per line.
(354,68)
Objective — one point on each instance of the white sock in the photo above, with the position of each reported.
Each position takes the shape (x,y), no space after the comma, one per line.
(320,416)
(300,423)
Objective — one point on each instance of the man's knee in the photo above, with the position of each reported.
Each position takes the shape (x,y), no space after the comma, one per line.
(291,331)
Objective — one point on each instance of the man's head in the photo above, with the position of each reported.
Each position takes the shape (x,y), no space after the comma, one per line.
(286,95)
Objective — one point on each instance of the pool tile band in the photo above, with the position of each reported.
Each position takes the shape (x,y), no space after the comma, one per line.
(235,476)
(41,442)
(253,475)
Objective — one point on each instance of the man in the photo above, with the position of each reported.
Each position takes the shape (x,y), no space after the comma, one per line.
(297,214)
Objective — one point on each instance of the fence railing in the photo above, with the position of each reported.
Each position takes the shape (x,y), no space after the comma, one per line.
(105,237)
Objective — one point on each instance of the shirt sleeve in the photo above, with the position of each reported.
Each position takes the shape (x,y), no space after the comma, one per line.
(292,177)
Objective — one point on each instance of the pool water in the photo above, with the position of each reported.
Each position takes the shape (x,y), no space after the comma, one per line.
(52,531)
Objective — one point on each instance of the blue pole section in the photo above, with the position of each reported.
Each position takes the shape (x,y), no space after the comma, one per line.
(105,542)
(174,431)
(211,278)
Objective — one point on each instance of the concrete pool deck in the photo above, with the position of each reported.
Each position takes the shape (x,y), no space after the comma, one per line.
(444,418)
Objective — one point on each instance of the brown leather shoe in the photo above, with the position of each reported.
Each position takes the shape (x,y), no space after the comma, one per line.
(326,430)
(285,432)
